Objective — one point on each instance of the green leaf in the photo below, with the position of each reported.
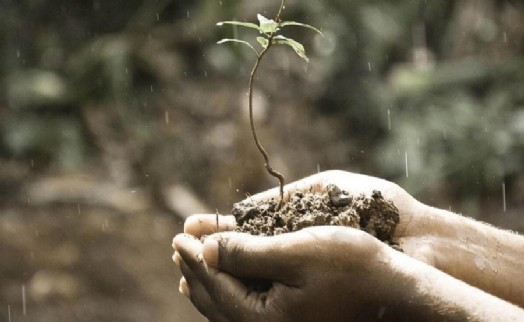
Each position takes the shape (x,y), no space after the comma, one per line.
(238,41)
(242,24)
(268,26)
(297,47)
(262,41)
(294,23)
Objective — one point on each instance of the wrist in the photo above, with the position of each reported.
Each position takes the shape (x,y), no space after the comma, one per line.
(424,293)
(474,252)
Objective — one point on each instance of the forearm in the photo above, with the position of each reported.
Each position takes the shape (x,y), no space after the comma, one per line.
(477,253)
(428,294)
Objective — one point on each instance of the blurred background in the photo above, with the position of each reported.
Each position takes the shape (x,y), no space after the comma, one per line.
(120,118)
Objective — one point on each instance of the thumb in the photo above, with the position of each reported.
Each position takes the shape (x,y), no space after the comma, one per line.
(273,258)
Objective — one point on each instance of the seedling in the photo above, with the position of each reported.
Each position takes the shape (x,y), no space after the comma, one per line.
(269,35)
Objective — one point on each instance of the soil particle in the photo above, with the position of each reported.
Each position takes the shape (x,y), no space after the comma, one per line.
(334,207)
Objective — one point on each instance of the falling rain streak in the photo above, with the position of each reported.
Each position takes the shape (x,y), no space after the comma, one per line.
(504,196)
(9,313)
(406,159)
(389,120)
(166,115)
(24,309)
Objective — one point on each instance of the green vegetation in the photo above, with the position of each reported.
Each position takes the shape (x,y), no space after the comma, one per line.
(269,35)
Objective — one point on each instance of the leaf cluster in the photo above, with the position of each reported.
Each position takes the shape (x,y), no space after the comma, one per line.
(269,34)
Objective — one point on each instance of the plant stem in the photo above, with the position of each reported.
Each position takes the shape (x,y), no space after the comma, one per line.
(279,13)
(269,169)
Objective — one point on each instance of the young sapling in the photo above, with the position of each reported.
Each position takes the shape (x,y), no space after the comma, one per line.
(269,35)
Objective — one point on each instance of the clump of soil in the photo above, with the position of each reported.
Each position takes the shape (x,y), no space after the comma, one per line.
(334,207)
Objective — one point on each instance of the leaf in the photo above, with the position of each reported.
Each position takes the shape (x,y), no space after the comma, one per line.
(297,47)
(238,41)
(242,24)
(262,41)
(294,23)
(268,26)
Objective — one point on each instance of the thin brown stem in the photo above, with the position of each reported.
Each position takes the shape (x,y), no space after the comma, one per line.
(279,13)
(269,169)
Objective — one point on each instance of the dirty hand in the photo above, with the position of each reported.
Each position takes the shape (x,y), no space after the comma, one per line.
(413,220)
(315,274)
(298,265)
(471,251)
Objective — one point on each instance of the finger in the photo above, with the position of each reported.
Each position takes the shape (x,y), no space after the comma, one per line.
(176,258)
(217,295)
(273,258)
(190,250)
(199,225)
(199,295)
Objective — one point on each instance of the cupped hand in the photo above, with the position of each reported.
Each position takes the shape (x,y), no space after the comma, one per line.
(412,216)
(298,265)
(316,274)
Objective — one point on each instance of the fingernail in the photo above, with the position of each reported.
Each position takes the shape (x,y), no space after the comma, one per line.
(177,258)
(183,288)
(211,251)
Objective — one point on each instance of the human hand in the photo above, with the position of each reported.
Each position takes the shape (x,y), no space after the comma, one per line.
(318,273)
(411,228)
(431,235)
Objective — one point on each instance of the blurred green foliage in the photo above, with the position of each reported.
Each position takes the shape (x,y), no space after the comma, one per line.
(438,84)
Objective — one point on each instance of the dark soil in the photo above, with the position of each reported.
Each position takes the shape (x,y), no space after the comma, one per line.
(374,215)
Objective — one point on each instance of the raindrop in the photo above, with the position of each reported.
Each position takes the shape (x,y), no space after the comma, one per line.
(188,14)
(505,35)
(166,115)
(318,167)
(9,313)
(406,159)
(157,17)
(32,163)
(205,73)
(18,53)
(504,196)
(229,182)
(24,308)
(389,120)
(185,74)
(151,88)
(369,65)
(37,234)
(220,3)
